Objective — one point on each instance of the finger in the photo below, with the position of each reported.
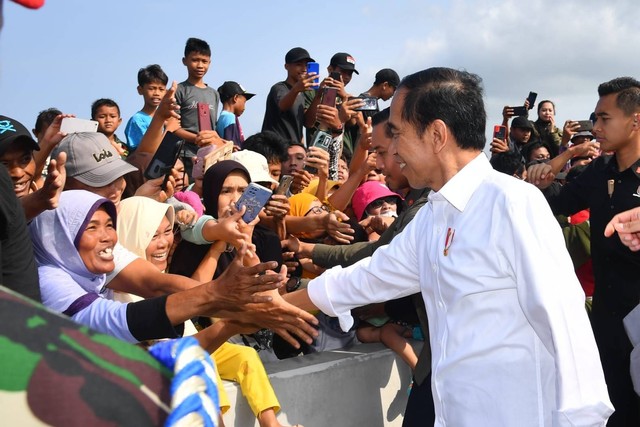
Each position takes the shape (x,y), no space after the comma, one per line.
(610,228)
(258,268)
(288,338)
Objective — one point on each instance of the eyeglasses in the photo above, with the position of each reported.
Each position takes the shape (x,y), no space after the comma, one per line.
(390,200)
(318,210)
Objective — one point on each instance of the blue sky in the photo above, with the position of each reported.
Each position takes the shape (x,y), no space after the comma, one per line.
(71,52)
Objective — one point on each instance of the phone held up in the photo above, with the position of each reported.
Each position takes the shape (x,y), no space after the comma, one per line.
(254,198)
(75,125)
(500,132)
(314,67)
(522,110)
(164,158)
(284,185)
(585,125)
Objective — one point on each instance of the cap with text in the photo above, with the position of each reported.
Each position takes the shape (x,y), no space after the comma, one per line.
(91,159)
(12,131)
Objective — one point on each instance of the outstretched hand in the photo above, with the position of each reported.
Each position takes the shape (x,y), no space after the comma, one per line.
(627,225)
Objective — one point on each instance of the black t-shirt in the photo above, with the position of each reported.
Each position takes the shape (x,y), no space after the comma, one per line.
(287,124)
(17,266)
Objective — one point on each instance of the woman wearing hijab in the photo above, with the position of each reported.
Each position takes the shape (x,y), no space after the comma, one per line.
(223,184)
(73,246)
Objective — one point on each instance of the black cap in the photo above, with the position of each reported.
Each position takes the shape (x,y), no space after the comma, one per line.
(297,54)
(12,131)
(522,123)
(344,61)
(389,76)
(229,89)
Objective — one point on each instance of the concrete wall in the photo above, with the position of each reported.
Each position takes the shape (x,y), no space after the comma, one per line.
(365,385)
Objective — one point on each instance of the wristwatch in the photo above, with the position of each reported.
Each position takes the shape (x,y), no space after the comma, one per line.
(293,284)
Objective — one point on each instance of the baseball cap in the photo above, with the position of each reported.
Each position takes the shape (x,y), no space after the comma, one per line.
(297,54)
(12,131)
(389,76)
(256,164)
(367,193)
(91,159)
(230,89)
(344,61)
(522,123)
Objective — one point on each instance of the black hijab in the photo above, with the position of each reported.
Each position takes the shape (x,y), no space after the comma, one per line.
(187,256)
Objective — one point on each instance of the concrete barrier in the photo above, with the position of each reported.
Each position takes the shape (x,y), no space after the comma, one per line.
(365,385)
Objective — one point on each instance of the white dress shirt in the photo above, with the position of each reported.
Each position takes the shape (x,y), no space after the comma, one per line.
(511,342)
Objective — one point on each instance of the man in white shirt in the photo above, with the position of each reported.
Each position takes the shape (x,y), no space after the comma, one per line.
(510,338)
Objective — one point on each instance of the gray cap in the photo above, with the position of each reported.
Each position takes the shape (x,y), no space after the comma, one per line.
(91,159)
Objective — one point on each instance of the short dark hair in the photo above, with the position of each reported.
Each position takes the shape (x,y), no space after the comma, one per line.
(269,144)
(508,162)
(628,90)
(381,117)
(294,143)
(453,96)
(531,147)
(103,102)
(152,74)
(45,118)
(197,46)
(544,102)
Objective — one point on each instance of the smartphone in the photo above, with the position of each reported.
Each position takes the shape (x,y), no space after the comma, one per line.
(74,125)
(254,198)
(164,158)
(335,75)
(585,125)
(314,67)
(204,116)
(322,140)
(284,185)
(532,99)
(329,95)
(500,132)
(370,103)
(519,111)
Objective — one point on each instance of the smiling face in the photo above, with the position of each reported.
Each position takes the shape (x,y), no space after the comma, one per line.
(413,153)
(21,167)
(157,251)
(234,185)
(381,142)
(96,244)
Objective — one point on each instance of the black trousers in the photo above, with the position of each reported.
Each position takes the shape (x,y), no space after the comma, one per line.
(420,411)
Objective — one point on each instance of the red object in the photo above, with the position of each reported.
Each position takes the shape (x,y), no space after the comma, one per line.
(31,4)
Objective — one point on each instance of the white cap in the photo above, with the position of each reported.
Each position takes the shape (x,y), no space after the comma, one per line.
(256,164)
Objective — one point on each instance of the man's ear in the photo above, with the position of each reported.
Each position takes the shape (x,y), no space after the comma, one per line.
(184,61)
(235,98)
(440,134)
(139,90)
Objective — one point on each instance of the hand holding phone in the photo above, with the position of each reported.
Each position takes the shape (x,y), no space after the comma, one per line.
(284,184)
(531,100)
(253,198)
(500,132)
(164,158)
(314,67)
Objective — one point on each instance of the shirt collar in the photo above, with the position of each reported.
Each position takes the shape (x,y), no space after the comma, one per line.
(459,189)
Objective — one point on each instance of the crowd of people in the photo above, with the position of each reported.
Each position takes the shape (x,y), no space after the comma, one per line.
(485,275)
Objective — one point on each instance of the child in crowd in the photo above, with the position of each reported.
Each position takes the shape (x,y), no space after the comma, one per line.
(194,91)
(107,113)
(152,84)
(234,98)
